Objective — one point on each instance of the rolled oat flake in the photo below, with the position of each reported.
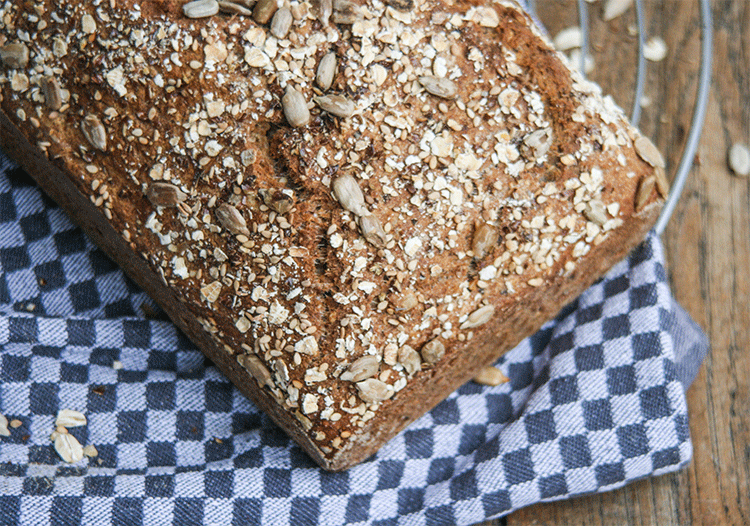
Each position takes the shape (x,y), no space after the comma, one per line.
(739,159)
(68,447)
(614,8)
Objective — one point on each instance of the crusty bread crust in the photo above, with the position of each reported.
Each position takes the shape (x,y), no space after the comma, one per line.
(348,273)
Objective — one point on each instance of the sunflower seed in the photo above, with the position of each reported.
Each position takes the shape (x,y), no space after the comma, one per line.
(372,390)
(647,151)
(69,418)
(490,376)
(350,195)
(211,291)
(410,359)
(433,351)
(52,93)
(345,12)
(233,8)
(336,105)
(407,302)
(645,189)
(479,317)
(662,184)
(485,238)
(165,194)
(372,230)
(401,5)
(739,159)
(295,107)
(15,55)
(277,200)
(614,8)
(257,369)
(264,10)
(201,8)
(94,131)
(439,86)
(4,426)
(595,212)
(231,219)
(323,10)
(365,367)
(68,447)
(326,71)
(281,23)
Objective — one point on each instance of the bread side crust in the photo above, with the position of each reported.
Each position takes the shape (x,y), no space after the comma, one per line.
(58,186)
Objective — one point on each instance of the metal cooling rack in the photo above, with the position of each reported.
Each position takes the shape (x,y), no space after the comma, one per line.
(701,100)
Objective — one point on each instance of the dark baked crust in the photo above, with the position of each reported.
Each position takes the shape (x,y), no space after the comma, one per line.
(527,150)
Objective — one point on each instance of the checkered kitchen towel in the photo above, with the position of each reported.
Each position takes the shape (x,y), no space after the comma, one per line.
(595,400)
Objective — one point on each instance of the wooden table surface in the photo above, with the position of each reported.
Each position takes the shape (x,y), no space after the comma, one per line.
(708,257)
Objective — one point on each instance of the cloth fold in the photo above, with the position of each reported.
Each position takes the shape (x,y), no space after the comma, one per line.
(595,400)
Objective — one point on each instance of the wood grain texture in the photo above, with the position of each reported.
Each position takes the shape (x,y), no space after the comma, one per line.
(708,254)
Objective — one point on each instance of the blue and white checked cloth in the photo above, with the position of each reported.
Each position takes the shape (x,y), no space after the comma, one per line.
(595,400)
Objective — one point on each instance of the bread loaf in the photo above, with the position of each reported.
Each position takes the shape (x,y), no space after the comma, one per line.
(350,207)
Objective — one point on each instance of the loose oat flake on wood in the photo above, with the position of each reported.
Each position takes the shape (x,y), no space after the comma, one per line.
(655,49)
(739,159)
(614,8)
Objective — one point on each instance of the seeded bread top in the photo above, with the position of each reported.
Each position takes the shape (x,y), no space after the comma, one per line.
(345,195)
